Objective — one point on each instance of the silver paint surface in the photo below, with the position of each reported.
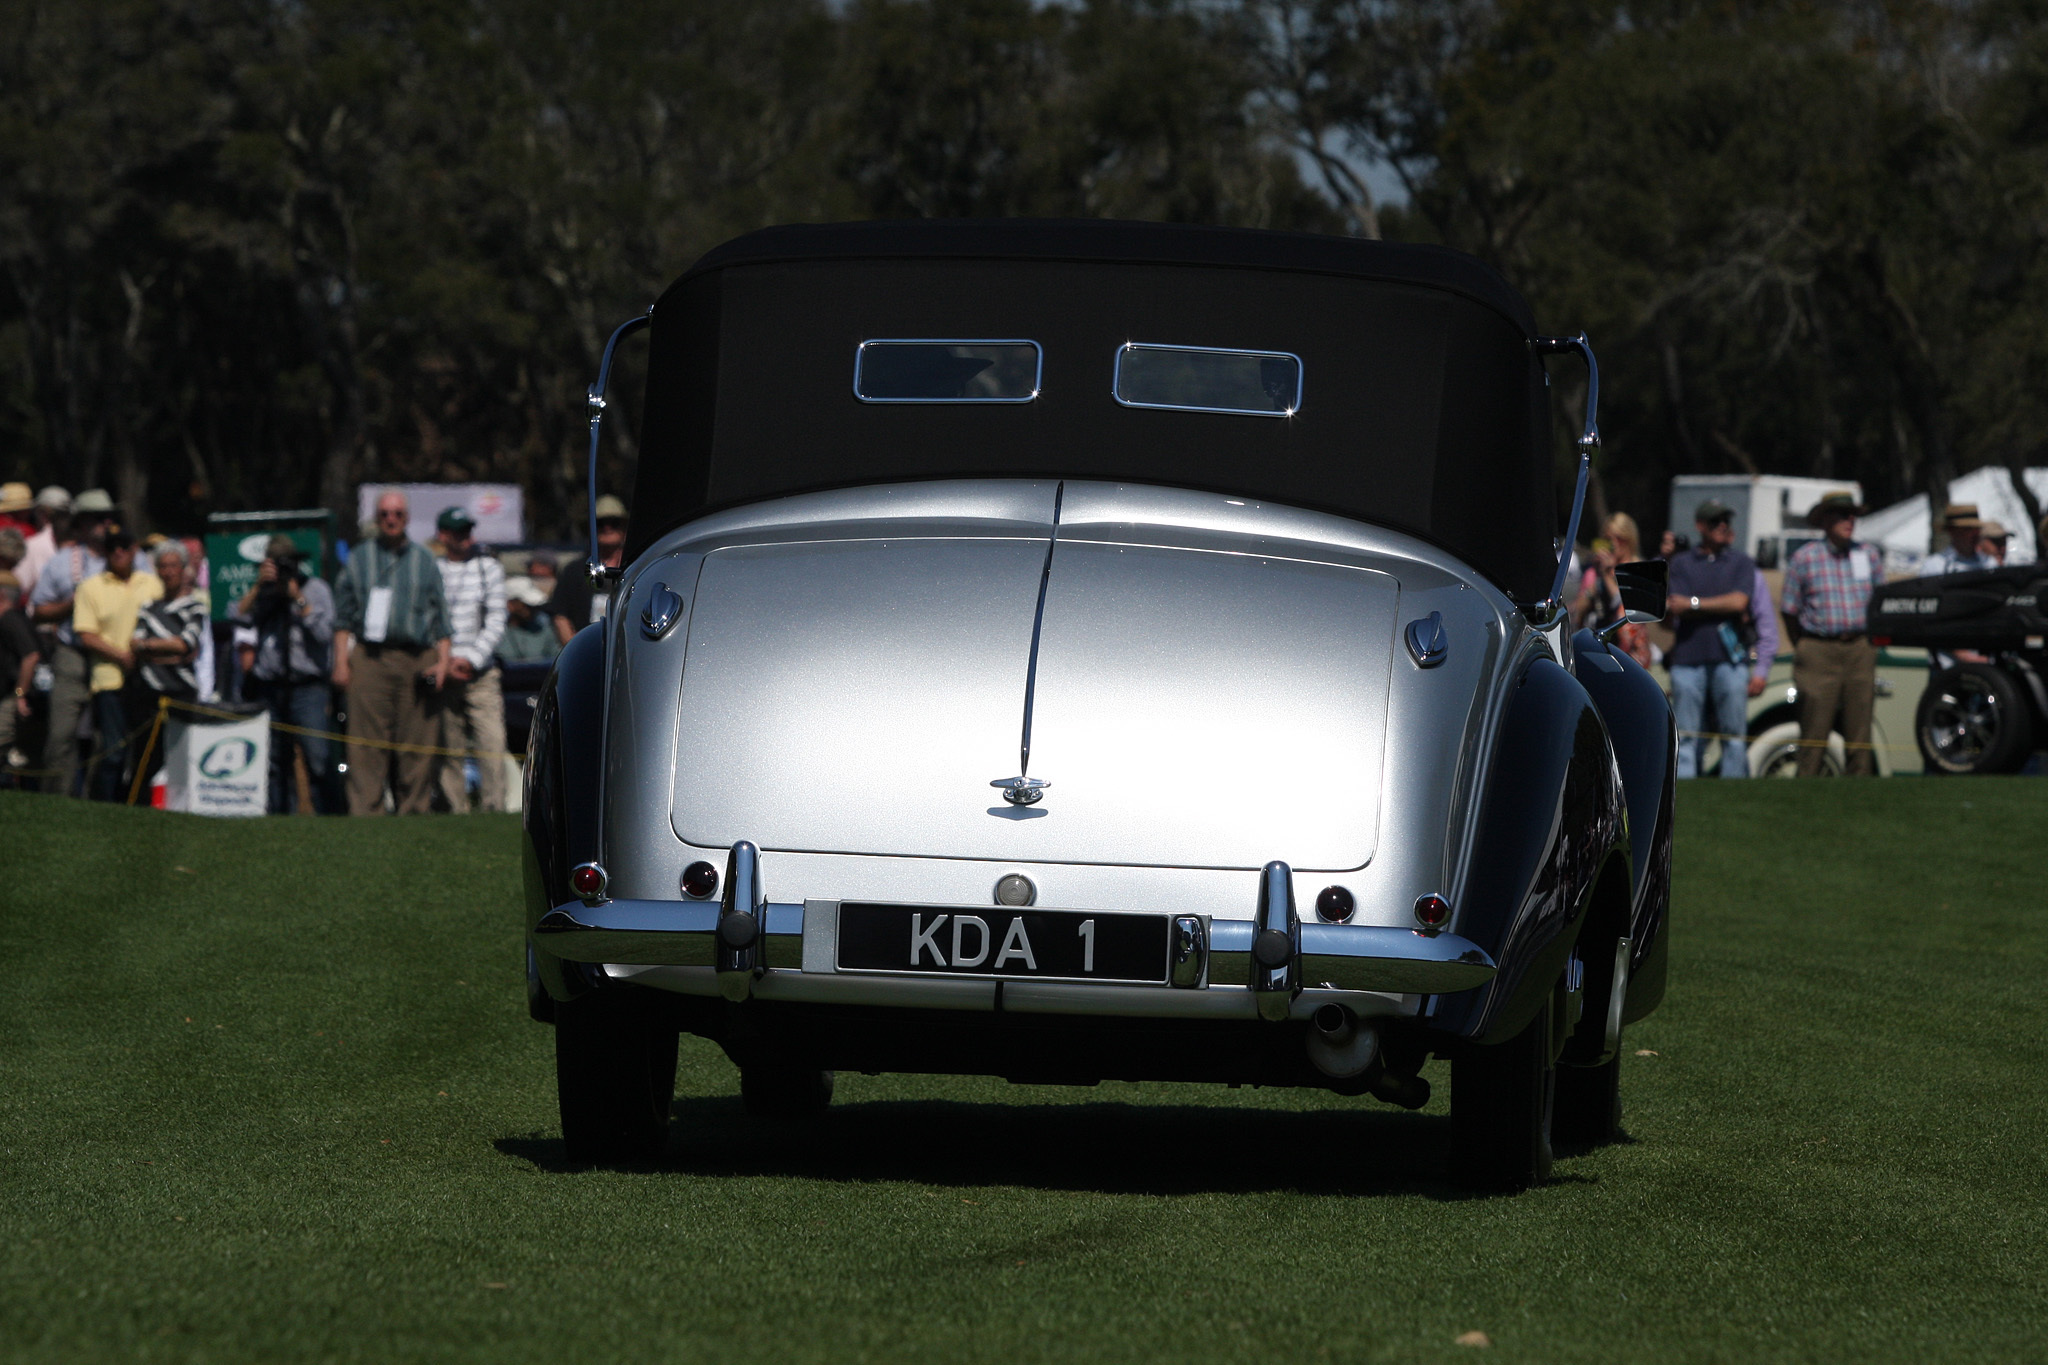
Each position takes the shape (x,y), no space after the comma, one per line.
(1428,763)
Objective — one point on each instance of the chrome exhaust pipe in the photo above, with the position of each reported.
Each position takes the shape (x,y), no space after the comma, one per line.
(1339,1045)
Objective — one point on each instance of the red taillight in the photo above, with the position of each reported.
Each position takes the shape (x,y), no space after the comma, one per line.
(587,880)
(1880,640)
(700,880)
(1432,911)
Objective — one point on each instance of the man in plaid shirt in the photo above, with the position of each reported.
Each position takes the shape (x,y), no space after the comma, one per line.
(473,706)
(1834,665)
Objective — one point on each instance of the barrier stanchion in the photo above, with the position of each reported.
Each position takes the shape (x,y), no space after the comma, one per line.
(163,706)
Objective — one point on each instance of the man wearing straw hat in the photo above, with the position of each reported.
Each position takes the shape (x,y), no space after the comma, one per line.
(1827,601)
(1965,552)
(52,513)
(17,509)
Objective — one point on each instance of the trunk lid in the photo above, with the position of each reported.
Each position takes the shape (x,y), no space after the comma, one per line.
(1192,708)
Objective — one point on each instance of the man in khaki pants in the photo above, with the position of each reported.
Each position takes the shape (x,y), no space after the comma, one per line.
(473,704)
(1827,596)
(391,654)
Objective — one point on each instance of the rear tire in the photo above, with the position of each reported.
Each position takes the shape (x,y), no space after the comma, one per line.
(785,1092)
(1503,1100)
(1588,1104)
(1973,719)
(615,1076)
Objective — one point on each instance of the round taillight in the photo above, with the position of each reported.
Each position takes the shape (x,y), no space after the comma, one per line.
(587,880)
(1432,911)
(700,880)
(1334,903)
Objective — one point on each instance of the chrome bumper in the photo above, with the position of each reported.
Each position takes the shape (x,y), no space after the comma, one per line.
(1340,957)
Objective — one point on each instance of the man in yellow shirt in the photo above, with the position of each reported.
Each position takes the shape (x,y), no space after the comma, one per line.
(103,617)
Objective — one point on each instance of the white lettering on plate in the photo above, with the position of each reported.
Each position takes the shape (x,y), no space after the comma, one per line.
(1016,943)
(1087,933)
(921,938)
(960,958)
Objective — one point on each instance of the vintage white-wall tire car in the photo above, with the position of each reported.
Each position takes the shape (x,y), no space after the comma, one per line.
(1082,651)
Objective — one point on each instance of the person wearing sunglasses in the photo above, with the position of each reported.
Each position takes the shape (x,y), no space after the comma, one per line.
(391,654)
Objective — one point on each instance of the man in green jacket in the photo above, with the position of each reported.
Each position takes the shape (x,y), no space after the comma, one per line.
(391,637)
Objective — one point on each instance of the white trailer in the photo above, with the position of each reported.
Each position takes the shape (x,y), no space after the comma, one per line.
(1770,509)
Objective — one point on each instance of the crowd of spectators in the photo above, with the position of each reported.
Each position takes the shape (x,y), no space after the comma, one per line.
(1725,630)
(403,652)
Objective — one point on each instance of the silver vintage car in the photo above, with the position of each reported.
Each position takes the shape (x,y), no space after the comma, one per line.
(1081,651)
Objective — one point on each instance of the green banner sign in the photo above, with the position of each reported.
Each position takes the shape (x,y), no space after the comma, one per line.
(233,558)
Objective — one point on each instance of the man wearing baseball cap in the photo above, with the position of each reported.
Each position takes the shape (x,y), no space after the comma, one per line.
(473,702)
(1709,662)
(576,604)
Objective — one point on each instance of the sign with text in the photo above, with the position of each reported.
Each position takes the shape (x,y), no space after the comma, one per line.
(234,557)
(218,767)
(498,509)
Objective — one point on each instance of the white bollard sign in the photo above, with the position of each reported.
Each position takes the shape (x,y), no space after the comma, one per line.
(218,767)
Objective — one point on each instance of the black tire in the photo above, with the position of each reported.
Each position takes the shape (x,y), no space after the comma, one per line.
(1588,1112)
(1503,1101)
(1973,719)
(785,1092)
(615,1076)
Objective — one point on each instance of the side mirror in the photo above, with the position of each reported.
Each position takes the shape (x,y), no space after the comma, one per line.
(1645,592)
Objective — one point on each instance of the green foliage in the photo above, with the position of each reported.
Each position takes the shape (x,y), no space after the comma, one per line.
(256,253)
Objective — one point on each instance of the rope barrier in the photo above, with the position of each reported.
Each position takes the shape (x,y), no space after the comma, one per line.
(1857,745)
(393,745)
(154,725)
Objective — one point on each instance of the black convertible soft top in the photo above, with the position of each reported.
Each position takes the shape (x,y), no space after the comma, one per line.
(1423,406)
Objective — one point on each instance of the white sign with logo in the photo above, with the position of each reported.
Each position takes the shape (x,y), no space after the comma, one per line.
(218,767)
(498,509)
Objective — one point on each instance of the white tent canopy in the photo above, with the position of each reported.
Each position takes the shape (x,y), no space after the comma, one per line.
(1903,529)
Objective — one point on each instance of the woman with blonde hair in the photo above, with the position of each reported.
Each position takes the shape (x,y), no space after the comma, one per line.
(1599,603)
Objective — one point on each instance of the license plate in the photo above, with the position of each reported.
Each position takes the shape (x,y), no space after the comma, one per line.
(1060,945)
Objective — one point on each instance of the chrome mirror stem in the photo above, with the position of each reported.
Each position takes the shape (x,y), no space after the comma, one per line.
(596,400)
(1546,612)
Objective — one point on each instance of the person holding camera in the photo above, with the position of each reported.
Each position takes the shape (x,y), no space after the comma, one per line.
(293,617)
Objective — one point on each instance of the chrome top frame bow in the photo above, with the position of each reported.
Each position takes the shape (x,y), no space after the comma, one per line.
(1545,613)
(598,572)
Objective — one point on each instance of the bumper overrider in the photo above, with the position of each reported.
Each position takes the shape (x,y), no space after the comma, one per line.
(745,938)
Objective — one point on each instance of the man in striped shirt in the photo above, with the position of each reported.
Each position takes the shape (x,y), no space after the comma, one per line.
(473,704)
(391,655)
(1834,665)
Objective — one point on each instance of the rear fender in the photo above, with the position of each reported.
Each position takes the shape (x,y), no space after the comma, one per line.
(565,759)
(1553,818)
(1638,719)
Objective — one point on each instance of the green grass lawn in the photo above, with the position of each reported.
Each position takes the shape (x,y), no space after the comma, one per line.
(268,1091)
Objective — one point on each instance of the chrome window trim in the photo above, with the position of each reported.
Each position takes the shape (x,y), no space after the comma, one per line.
(1037,373)
(1116,386)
